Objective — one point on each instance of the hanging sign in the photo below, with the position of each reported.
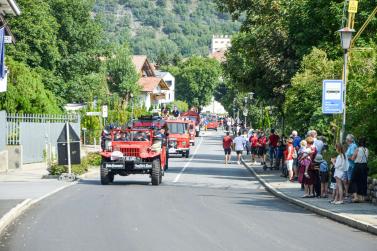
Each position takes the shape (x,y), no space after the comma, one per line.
(332,96)
(352,7)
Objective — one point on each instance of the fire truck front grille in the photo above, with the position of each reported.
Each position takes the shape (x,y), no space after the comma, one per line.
(131,151)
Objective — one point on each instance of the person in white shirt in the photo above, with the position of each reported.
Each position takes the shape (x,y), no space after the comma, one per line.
(341,167)
(239,146)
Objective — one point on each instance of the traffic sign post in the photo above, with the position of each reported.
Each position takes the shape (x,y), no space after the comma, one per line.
(332,97)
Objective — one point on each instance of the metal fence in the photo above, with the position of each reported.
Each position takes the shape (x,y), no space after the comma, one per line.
(37,133)
(14,121)
(3,124)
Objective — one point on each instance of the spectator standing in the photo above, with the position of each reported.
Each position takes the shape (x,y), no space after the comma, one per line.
(341,166)
(262,141)
(296,145)
(247,143)
(227,146)
(239,143)
(289,158)
(317,142)
(273,140)
(359,181)
(254,146)
(309,178)
(323,174)
(350,140)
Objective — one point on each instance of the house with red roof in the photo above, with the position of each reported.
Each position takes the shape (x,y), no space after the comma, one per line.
(153,88)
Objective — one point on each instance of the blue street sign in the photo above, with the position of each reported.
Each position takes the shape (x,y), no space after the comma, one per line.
(332,96)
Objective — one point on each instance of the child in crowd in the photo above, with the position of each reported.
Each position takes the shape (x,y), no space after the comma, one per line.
(323,174)
(304,157)
(333,181)
(280,154)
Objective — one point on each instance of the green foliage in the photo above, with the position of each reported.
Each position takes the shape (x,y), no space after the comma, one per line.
(37,35)
(123,78)
(303,100)
(184,27)
(59,169)
(26,93)
(94,159)
(181,105)
(62,41)
(196,80)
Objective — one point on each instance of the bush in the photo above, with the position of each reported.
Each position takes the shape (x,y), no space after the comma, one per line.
(94,159)
(76,169)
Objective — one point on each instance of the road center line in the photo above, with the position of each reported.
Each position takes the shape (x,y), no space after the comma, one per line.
(188,162)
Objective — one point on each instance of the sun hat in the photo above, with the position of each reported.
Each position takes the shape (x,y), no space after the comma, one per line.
(318,158)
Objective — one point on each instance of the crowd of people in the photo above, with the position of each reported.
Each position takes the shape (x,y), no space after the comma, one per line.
(302,160)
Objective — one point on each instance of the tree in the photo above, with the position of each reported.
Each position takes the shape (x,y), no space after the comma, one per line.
(303,104)
(36,33)
(26,93)
(197,79)
(123,78)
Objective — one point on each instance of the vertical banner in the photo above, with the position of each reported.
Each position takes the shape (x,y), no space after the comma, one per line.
(332,96)
(3,79)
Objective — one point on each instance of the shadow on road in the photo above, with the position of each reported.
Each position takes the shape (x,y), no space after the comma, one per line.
(116,183)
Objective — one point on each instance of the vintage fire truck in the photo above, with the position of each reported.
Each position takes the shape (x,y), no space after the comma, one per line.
(195,117)
(133,151)
(179,137)
(147,122)
(212,122)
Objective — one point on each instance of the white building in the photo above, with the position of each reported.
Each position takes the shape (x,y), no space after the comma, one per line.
(170,81)
(220,43)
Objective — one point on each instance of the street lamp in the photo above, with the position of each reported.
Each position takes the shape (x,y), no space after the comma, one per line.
(132,109)
(346,37)
(245,111)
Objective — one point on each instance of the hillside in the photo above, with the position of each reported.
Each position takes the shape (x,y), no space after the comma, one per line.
(164,29)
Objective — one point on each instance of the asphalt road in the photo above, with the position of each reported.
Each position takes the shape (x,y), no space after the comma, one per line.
(201,205)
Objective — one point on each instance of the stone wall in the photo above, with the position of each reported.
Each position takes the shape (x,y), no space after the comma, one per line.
(14,156)
(3,161)
(372,190)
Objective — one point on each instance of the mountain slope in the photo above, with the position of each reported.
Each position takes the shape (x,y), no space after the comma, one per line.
(164,29)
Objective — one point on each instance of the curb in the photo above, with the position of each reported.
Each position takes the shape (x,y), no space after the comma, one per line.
(363,226)
(18,210)
(88,174)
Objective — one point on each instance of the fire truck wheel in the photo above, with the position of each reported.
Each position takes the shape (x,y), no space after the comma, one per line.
(167,161)
(105,176)
(111,177)
(156,172)
(187,153)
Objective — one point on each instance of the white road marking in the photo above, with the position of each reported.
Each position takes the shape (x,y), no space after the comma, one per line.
(188,162)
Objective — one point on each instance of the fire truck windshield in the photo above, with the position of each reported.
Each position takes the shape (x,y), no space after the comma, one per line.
(177,128)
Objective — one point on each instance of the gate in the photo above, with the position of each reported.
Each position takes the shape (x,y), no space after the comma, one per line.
(2,130)
(37,133)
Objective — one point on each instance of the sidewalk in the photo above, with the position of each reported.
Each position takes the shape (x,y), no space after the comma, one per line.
(362,216)
(22,188)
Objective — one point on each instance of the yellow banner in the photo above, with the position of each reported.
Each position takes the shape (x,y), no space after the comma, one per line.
(352,7)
